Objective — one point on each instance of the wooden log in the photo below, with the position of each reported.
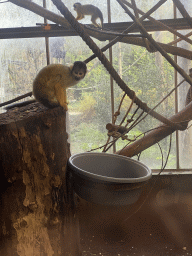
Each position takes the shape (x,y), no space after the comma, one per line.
(36,218)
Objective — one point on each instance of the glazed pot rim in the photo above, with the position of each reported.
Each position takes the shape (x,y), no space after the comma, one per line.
(102,178)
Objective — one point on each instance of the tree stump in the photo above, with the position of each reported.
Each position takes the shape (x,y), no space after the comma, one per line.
(36,218)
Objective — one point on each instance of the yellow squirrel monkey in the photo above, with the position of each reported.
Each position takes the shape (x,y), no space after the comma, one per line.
(88,9)
(50,84)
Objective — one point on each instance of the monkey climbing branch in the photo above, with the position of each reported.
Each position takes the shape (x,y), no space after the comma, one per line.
(129,29)
(60,20)
(79,29)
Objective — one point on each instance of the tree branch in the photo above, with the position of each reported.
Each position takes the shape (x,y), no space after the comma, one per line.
(158,134)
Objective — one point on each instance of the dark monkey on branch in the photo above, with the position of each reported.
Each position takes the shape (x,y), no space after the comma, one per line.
(50,84)
(88,9)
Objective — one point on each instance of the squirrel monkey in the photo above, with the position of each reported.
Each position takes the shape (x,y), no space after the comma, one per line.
(50,84)
(88,9)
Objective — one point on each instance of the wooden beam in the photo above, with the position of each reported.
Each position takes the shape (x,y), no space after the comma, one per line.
(57,30)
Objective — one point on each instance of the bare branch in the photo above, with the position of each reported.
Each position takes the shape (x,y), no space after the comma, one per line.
(157,134)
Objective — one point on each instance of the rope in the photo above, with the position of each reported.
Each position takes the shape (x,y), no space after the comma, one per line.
(29,94)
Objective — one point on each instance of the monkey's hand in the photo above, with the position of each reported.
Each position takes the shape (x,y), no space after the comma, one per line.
(79,17)
(61,96)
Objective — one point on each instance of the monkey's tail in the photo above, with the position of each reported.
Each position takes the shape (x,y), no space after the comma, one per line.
(20,104)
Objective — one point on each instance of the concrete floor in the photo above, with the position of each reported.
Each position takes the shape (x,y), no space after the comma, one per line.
(162,226)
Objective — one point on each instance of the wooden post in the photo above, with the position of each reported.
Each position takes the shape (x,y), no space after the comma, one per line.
(36,217)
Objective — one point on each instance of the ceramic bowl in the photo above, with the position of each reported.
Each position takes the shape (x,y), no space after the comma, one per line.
(107,179)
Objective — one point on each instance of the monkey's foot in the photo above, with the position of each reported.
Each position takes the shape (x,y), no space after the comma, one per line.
(65,106)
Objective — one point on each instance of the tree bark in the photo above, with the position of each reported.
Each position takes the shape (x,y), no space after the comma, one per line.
(36,217)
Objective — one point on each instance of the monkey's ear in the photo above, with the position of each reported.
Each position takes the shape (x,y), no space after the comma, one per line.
(71,67)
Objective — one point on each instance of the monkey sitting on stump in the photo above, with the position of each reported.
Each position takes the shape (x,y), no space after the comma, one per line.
(50,84)
(88,9)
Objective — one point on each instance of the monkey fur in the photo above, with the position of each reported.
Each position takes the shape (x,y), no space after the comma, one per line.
(88,9)
(50,84)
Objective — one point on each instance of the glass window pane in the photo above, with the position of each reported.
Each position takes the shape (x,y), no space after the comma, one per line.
(20,62)
(148,74)
(15,16)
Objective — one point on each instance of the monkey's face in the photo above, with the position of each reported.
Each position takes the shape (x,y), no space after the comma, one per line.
(78,74)
(79,70)
(76,6)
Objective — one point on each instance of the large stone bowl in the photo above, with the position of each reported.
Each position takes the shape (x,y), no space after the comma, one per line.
(107,179)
